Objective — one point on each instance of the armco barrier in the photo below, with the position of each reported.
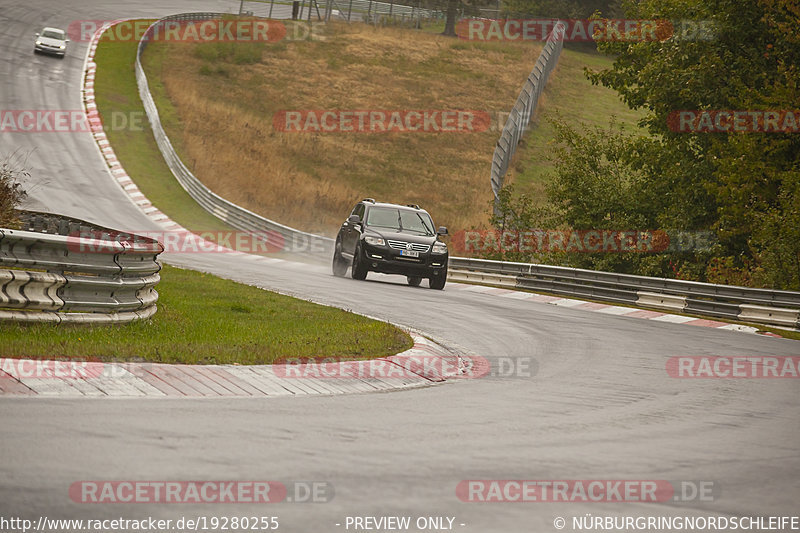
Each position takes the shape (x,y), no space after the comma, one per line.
(761,306)
(59,269)
(232,214)
(520,115)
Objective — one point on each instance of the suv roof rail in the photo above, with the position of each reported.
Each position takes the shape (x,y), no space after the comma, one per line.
(415,206)
(370,200)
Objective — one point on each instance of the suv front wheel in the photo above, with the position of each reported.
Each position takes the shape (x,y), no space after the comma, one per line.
(437,282)
(359,269)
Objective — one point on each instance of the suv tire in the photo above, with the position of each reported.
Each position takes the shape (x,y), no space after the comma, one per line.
(340,265)
(359,269)
(437,282)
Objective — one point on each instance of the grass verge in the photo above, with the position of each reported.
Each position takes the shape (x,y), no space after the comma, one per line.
(129,133)
(203,319)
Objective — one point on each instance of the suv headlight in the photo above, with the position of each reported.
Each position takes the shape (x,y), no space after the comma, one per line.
(374,241)
(439,248)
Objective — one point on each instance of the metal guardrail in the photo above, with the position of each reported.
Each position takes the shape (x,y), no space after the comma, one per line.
(520,115)
(372,11)
(762,306)
(63,270)
(349,10)
(236,216)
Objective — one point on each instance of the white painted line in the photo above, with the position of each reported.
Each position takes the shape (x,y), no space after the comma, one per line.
(739,327)
(568,302)
(616,310)
(517,295)
(50,387)
(675,319)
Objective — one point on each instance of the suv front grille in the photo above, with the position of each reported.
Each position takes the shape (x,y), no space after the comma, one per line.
(402,245)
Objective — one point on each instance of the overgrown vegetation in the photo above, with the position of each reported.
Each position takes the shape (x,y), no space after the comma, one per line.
(745,187)
(11,191)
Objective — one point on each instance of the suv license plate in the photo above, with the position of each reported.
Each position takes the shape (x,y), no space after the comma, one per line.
(409,253)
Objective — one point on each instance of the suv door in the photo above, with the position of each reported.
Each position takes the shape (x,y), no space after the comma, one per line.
(351,232)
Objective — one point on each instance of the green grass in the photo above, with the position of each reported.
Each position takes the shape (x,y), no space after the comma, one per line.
(116,92)
(572,97)
(203,319)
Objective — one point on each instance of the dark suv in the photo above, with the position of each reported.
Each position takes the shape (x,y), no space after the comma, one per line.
(393,239)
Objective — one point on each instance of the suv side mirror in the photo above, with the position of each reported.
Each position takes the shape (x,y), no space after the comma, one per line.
(37,34)
(354,219)
(441,231)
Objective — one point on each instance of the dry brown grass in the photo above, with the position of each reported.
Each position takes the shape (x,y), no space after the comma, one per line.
(223,114)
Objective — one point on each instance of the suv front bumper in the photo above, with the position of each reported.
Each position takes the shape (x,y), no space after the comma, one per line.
(49,50)
(389,261)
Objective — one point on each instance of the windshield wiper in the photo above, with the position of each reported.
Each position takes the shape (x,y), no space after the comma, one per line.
(429,231)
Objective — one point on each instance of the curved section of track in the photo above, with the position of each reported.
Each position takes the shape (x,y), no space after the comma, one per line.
(597,404)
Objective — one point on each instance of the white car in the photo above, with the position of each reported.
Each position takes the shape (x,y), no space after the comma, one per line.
(51,41)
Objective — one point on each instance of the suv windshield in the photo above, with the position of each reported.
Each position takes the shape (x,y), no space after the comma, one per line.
(400,220)
(53,35)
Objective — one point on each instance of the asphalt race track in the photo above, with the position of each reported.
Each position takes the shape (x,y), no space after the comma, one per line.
(599,404)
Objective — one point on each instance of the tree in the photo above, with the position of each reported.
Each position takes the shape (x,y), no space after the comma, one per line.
(564,9)
(751,181)
(743,186)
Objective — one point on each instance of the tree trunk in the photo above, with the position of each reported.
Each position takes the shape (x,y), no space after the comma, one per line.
(450,20)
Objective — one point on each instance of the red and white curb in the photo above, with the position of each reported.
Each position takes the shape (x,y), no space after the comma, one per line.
(608,309)
(26,377)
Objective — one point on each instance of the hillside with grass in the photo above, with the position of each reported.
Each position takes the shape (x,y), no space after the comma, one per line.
(570,97)
(217,102)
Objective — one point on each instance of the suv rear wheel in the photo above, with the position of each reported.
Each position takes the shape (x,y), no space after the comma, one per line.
(414,281)
(340,265)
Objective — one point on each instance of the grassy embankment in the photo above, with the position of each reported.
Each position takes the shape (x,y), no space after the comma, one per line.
(219,101)
(203,319)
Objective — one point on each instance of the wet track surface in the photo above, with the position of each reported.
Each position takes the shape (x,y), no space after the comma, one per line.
(598,405)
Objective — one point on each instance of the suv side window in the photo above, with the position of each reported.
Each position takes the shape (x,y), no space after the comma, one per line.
(359,210)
